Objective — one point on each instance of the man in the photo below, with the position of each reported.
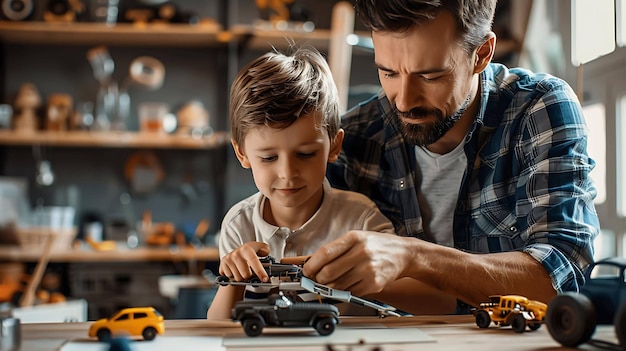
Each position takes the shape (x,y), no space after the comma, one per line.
(482,169)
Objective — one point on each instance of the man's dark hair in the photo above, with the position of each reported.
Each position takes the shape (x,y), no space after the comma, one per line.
(474,17)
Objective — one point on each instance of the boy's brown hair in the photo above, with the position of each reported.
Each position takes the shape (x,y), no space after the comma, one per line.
(277,88)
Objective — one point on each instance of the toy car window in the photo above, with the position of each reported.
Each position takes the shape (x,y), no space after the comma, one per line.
(140,315)
(157,313)
(123,317)
(606,271)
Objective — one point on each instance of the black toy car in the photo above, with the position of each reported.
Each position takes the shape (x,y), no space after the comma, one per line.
(277,310)
(291,272)
(572,317)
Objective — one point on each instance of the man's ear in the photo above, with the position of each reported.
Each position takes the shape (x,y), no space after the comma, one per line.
(484,53)
(335,146)
(241,156)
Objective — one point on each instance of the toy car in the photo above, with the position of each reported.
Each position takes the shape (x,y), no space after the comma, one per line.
(136,321)
(291,272)
(572,317)
(278,310)
(514,310)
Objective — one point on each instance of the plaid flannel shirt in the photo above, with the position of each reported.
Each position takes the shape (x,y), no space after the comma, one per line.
(526,185)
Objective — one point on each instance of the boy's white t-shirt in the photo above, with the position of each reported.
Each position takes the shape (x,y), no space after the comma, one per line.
(340,212)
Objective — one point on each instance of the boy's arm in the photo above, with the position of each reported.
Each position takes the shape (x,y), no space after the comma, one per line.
(224,301)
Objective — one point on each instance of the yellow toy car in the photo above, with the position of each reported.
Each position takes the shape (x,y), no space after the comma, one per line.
(514,310)
(134,321)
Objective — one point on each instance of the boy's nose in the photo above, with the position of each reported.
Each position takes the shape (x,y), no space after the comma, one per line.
(288,169)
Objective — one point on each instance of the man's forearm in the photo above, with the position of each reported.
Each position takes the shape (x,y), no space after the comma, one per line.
(473,277)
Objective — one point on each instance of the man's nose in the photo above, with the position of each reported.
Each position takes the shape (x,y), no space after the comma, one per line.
(408,96)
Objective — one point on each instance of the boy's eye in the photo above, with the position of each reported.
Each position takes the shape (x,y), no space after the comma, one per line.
(268,158)
(306,154)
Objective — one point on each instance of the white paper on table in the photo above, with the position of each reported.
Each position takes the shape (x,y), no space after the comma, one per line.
(160,343)
(341,336)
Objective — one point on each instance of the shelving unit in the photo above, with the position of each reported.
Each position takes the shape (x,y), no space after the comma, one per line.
(218,43)
(113,140)
(173,35)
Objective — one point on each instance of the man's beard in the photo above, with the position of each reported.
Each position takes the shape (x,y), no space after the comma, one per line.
(424,134)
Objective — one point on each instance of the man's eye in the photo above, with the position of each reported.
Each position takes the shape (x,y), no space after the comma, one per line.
(306,154)
(389,75)
(431,79)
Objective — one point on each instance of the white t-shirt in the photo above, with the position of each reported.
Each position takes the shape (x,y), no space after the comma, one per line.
(439,190)
(340,212)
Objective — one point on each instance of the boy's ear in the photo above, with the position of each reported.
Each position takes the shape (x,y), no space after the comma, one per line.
(335,146)
(241,156)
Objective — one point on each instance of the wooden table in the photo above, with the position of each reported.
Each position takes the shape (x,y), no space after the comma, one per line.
(449,332)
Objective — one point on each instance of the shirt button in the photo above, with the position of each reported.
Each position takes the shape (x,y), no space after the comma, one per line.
(513,229)
(402,184)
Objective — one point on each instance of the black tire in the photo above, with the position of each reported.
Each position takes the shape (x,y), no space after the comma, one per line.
(620,325)
(104,335)
(253,326)
(534,326)
(482,319)
(518,323)
(149,333)
(222,280)
(325,326)
(571,319)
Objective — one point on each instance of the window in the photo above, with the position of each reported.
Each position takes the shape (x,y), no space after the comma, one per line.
(593,29)
(620,24)
(123,317)
(140,315)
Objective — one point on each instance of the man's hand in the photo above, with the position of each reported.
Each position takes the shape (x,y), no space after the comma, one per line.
(359,261)
(241,262)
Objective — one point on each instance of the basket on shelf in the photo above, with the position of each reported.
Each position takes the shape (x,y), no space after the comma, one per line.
(34,238)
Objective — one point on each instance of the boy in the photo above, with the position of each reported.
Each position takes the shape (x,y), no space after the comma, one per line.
(285,127)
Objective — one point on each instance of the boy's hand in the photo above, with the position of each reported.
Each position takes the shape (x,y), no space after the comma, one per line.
(241,262)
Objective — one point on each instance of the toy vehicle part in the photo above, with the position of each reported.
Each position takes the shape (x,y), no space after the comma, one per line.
(277,310)
(135,321)
(572,317)
(517,311)
(289,272)
(345,296)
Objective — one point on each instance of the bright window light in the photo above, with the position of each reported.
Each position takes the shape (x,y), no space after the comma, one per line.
(596,146)
(604,245)
(593,29)
(621,22)
(621,148)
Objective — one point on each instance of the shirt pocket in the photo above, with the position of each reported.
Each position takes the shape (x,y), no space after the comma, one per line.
(494,229)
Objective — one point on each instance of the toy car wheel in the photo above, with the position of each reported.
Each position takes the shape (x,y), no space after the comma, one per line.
(620,324)
(149,333)
(255,281)
(571,319)
(482,319)
(325,326)
(534,326)
(104,335)
(518,324)
(253,326)
(222,280)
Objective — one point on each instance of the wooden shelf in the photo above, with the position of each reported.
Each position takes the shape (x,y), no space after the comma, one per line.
(201,35)
(112,140)
(140,254)
(260,39)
